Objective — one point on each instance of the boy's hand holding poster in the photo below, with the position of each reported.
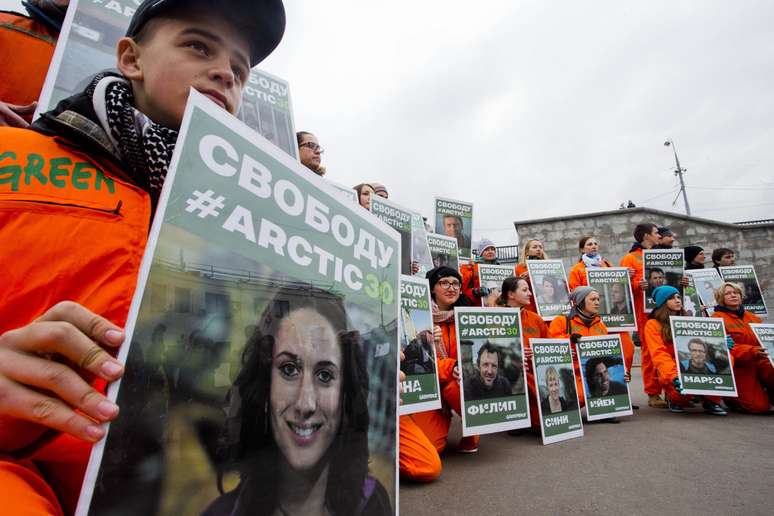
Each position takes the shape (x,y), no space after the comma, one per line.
(261,342)
(701,353)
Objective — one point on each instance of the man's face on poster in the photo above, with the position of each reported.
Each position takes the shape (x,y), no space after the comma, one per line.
(698,354)
(656,279)
(602,378)
(617,293)
(452,226)
(487,368)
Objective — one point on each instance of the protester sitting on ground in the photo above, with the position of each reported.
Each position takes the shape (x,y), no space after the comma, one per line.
(666,238)
(590,257)
(694,257)
(723,257)
(50,415)
(380,190)
(658,335)
(364,193)
(533,250)
(310,152)
(646,236)
(471,288)
(445,284)
(753,371)
(581,321)
(26,47)
(515,293)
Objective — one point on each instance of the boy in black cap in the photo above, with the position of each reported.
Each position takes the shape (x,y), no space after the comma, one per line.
(77,191)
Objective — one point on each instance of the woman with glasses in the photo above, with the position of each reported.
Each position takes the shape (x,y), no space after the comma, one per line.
(310,152)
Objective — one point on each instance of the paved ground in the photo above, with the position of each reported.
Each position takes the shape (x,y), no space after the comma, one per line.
(654,462)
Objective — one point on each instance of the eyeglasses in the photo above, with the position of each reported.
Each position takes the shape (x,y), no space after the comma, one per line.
(449,285)
(314,147)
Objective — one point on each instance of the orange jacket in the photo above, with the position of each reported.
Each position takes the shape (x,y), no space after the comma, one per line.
(522,269)
(662,353)
(532,327)
(71,230)
(469,273)
(558,327)
(633,260)
(26,47)
(745,343)
(577,277)
(447,356)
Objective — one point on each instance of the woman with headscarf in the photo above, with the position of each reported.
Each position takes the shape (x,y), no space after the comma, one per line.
(658,334)
(753,371)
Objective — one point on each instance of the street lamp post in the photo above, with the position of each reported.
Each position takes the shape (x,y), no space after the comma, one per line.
(679,173)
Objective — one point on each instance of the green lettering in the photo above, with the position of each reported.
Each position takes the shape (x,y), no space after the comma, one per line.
(34,168)
(100,178)
(81,175)
(57,171)
(10,174)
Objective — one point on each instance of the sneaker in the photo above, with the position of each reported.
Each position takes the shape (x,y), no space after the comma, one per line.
(655,401)
(468,444)
(635,407)
(714,409)
(677,409)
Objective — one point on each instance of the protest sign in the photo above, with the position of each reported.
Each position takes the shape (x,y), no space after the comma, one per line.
(399,219)
(765,335)
(706,282)
(443,250)
(603,372)
(616,307)
(691,302)
(86,46)
(491,358)
(701,353)
(752,296)
(419,248)
(560,416)
(347,193)
(455,219)
(491,278)
(550,285)
(662,267)
(257,276)
(420,389)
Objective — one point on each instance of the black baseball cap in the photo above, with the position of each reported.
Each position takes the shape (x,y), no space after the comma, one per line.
(265,19)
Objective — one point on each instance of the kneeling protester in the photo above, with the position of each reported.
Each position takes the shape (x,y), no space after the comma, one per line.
(702,356)
(560,416)
(494,395)
(602,370)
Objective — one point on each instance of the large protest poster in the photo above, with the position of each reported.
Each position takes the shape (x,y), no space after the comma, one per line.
(706,282)
(616,307)
(399,219)
(490,277)
(603,373)
(263,331)
(549,282)
(443,250)
(421,389)
(420,251)
(560,416)
(691,301)
(86,46)
(765,335)
(491,358)
(662,267)
(701,352)
(745,277)
(455,219)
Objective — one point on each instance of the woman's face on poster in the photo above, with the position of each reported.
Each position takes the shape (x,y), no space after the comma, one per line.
(306,388)
(553,387)
(548,290)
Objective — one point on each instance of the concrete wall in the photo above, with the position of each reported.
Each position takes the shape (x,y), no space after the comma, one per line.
(752,243)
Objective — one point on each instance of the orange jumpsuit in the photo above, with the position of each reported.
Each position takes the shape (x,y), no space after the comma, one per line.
(26,48)
(558,330)
(578,279)
(532,327)
(754,375)
(663,355)
(633,260)
(469,273)
(522,269)
(419,459)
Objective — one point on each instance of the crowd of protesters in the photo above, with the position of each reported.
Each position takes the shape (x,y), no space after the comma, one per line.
(125,123)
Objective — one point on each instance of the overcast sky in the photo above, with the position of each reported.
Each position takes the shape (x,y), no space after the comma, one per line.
(535,109)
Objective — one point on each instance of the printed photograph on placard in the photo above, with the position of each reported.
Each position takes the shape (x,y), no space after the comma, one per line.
(560,416)
(423,260)
(490,277)
(443,250)
(266,108)
(616,308)
(765,335)
(603,373)
(706,282)
(491,360)
(703,359)
(261,346)
(744,276)
(455,219)
(421,389)
(691,302)
(549,283)
(399,219)
(662,267)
